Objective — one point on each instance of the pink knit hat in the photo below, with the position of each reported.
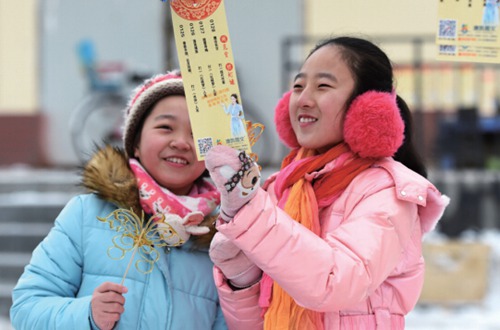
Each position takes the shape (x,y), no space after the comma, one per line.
(143,98)
(373,127)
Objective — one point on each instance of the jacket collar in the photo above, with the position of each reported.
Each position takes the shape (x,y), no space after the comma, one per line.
(108,175)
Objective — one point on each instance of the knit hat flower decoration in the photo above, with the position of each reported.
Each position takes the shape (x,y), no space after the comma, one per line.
(373,127)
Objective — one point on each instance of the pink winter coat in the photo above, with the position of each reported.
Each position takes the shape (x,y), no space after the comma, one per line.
(366,271)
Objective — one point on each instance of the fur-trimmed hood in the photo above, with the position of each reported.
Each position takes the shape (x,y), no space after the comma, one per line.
(108,175)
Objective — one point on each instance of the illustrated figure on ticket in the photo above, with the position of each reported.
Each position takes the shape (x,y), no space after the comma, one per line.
(235,110)
(468,31)
(209,75)
(490,13)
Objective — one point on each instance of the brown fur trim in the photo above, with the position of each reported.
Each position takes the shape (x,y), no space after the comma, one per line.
(108,175)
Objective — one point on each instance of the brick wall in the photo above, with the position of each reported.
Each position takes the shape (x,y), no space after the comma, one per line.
(22,140)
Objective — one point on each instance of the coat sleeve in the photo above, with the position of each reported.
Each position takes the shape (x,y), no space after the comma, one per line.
(44,297)
(337,270)
(220,322)
(241,308)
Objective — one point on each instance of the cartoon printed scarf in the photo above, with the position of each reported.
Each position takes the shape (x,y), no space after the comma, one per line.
(154,199)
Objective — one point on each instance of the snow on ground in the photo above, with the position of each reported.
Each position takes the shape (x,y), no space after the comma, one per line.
(5,324)
(480,316)
(24,173)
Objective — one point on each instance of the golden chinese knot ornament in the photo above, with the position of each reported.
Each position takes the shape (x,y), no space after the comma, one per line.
(140,236)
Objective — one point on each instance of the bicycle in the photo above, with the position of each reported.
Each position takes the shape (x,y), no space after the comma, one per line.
(98,118)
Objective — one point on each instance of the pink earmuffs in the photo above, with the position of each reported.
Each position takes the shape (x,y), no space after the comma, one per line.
(373,127)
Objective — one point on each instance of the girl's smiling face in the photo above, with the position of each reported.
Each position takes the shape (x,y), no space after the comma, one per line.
(319,99)
(166,147)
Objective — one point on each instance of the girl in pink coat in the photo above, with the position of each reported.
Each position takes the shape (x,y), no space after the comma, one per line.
(333,240)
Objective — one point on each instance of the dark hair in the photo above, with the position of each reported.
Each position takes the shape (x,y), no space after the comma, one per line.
(236,97)
(372,70)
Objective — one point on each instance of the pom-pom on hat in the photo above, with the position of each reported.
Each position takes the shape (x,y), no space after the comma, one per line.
(373,127)
(143,98)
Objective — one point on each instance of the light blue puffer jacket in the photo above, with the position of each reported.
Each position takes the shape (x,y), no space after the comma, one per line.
(55,290)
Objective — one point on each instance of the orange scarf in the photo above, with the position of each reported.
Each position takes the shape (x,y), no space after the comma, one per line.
(302,204)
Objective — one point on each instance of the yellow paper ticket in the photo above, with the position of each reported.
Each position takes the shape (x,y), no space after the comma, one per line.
(468,31)
(209,74)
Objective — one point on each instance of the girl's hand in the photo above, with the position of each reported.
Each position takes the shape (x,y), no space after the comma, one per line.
(107,304)
(234,264)
(236,176)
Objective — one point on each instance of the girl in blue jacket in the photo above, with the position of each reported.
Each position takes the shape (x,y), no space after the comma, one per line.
(73,280)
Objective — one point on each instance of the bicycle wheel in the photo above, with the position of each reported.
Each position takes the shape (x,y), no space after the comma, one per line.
(96,121)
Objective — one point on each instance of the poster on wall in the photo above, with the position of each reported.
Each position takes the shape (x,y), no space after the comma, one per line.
(209,74)
(468,31)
